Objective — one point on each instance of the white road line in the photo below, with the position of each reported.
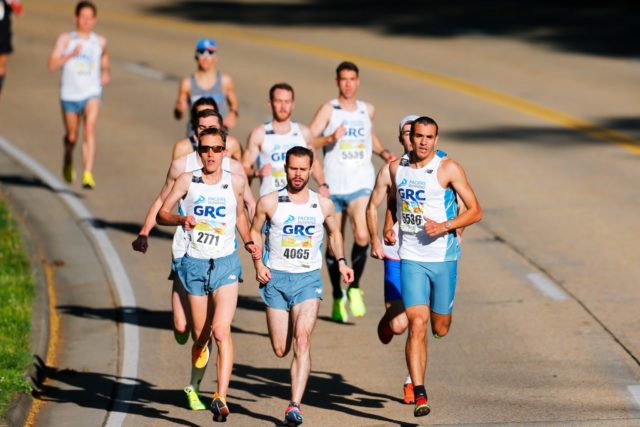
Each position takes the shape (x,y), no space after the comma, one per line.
(119,278)
(547,287)
(635,393)
(144,71)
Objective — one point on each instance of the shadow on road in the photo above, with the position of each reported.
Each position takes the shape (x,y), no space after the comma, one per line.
(95,390)
(551,137)
(325,390)
(143,317)
(592,27)
(131,228)
(31,181)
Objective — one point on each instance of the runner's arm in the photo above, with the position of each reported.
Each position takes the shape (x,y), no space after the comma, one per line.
(336,243)
(242,223)
(316,169)
(180,188)
(232,100)
(252,150)
(57,57)
(377,146)
(105,70)
(249,202)
(319,123)
(182,102)
(378,195)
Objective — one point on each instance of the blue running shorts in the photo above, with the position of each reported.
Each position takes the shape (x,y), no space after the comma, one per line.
(76,107)
(285,290)
(204,276)
(429,283)
(392,287)
(341,201)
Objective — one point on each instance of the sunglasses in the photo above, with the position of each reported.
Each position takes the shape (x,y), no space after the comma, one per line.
(205,52)
(204,149)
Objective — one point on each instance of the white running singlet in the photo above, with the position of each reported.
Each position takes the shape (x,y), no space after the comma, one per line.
(295,235)
(214,208)
(81,73)
(347,163)
(273,151)
(419,196)
(180,238)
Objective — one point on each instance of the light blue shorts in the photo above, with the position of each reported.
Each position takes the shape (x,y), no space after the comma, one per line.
(341,201)
(392,287)
(76,107)
(204,276)
(429,283)
(285,290)
(175,265)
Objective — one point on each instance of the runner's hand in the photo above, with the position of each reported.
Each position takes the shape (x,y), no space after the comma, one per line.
(389,237)
(377,251)
(141,244)
(263,274)
(230,121)
(434,229)
(346,272)
(188,223)
(324,191)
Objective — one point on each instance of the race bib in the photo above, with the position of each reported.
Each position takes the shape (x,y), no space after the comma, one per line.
(278,178)
(208,237)
(352,151)
(411,216)
(297,249)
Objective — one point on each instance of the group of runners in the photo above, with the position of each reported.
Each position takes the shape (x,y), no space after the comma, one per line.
(429,201)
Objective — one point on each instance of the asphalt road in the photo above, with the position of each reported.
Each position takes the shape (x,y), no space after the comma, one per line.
(546,326)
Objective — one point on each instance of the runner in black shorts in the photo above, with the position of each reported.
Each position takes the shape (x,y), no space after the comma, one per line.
(7,7)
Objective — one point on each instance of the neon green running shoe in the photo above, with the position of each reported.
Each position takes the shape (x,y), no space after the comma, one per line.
(339,312)
(88,181)
(69,173)
(356,302)
(194,400)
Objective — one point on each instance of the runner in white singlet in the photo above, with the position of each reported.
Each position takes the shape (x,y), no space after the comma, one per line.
(268,143)
(210,269)
(344,128)
(425,186)
(83,57)
(289,276)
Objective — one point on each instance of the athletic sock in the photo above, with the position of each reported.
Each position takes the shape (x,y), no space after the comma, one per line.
(198,373)
(419,390)
(334,275)
(358,259)
(1,82)
(407,380)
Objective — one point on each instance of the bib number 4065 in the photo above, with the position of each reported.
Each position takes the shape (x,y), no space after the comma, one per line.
(292,253)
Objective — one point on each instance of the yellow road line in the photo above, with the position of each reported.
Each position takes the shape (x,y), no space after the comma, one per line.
(565,120)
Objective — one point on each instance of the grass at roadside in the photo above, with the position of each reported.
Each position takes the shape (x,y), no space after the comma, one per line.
(16,295)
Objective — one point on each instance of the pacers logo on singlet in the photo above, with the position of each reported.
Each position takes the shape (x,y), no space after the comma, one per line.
(412,198)
(210,224)
(297,234)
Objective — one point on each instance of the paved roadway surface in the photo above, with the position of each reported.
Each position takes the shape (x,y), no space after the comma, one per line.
(546,324)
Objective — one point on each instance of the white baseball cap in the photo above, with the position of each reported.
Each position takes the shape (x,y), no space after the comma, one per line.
(406,119)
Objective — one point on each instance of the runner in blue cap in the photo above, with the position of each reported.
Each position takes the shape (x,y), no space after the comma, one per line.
(208,81)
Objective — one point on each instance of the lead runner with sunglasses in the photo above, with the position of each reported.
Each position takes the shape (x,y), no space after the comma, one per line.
(207,81)
(210,268)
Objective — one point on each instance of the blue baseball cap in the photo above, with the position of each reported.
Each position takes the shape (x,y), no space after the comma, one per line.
(206,44)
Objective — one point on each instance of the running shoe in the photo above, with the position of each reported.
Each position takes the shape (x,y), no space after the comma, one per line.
(422,407)
(87,180)
(293,415)
(181,338)
(356,302)
(199,356)
(409,397)
(69,173)
(384,331)
(219,408)
(194,400)
(339,312)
